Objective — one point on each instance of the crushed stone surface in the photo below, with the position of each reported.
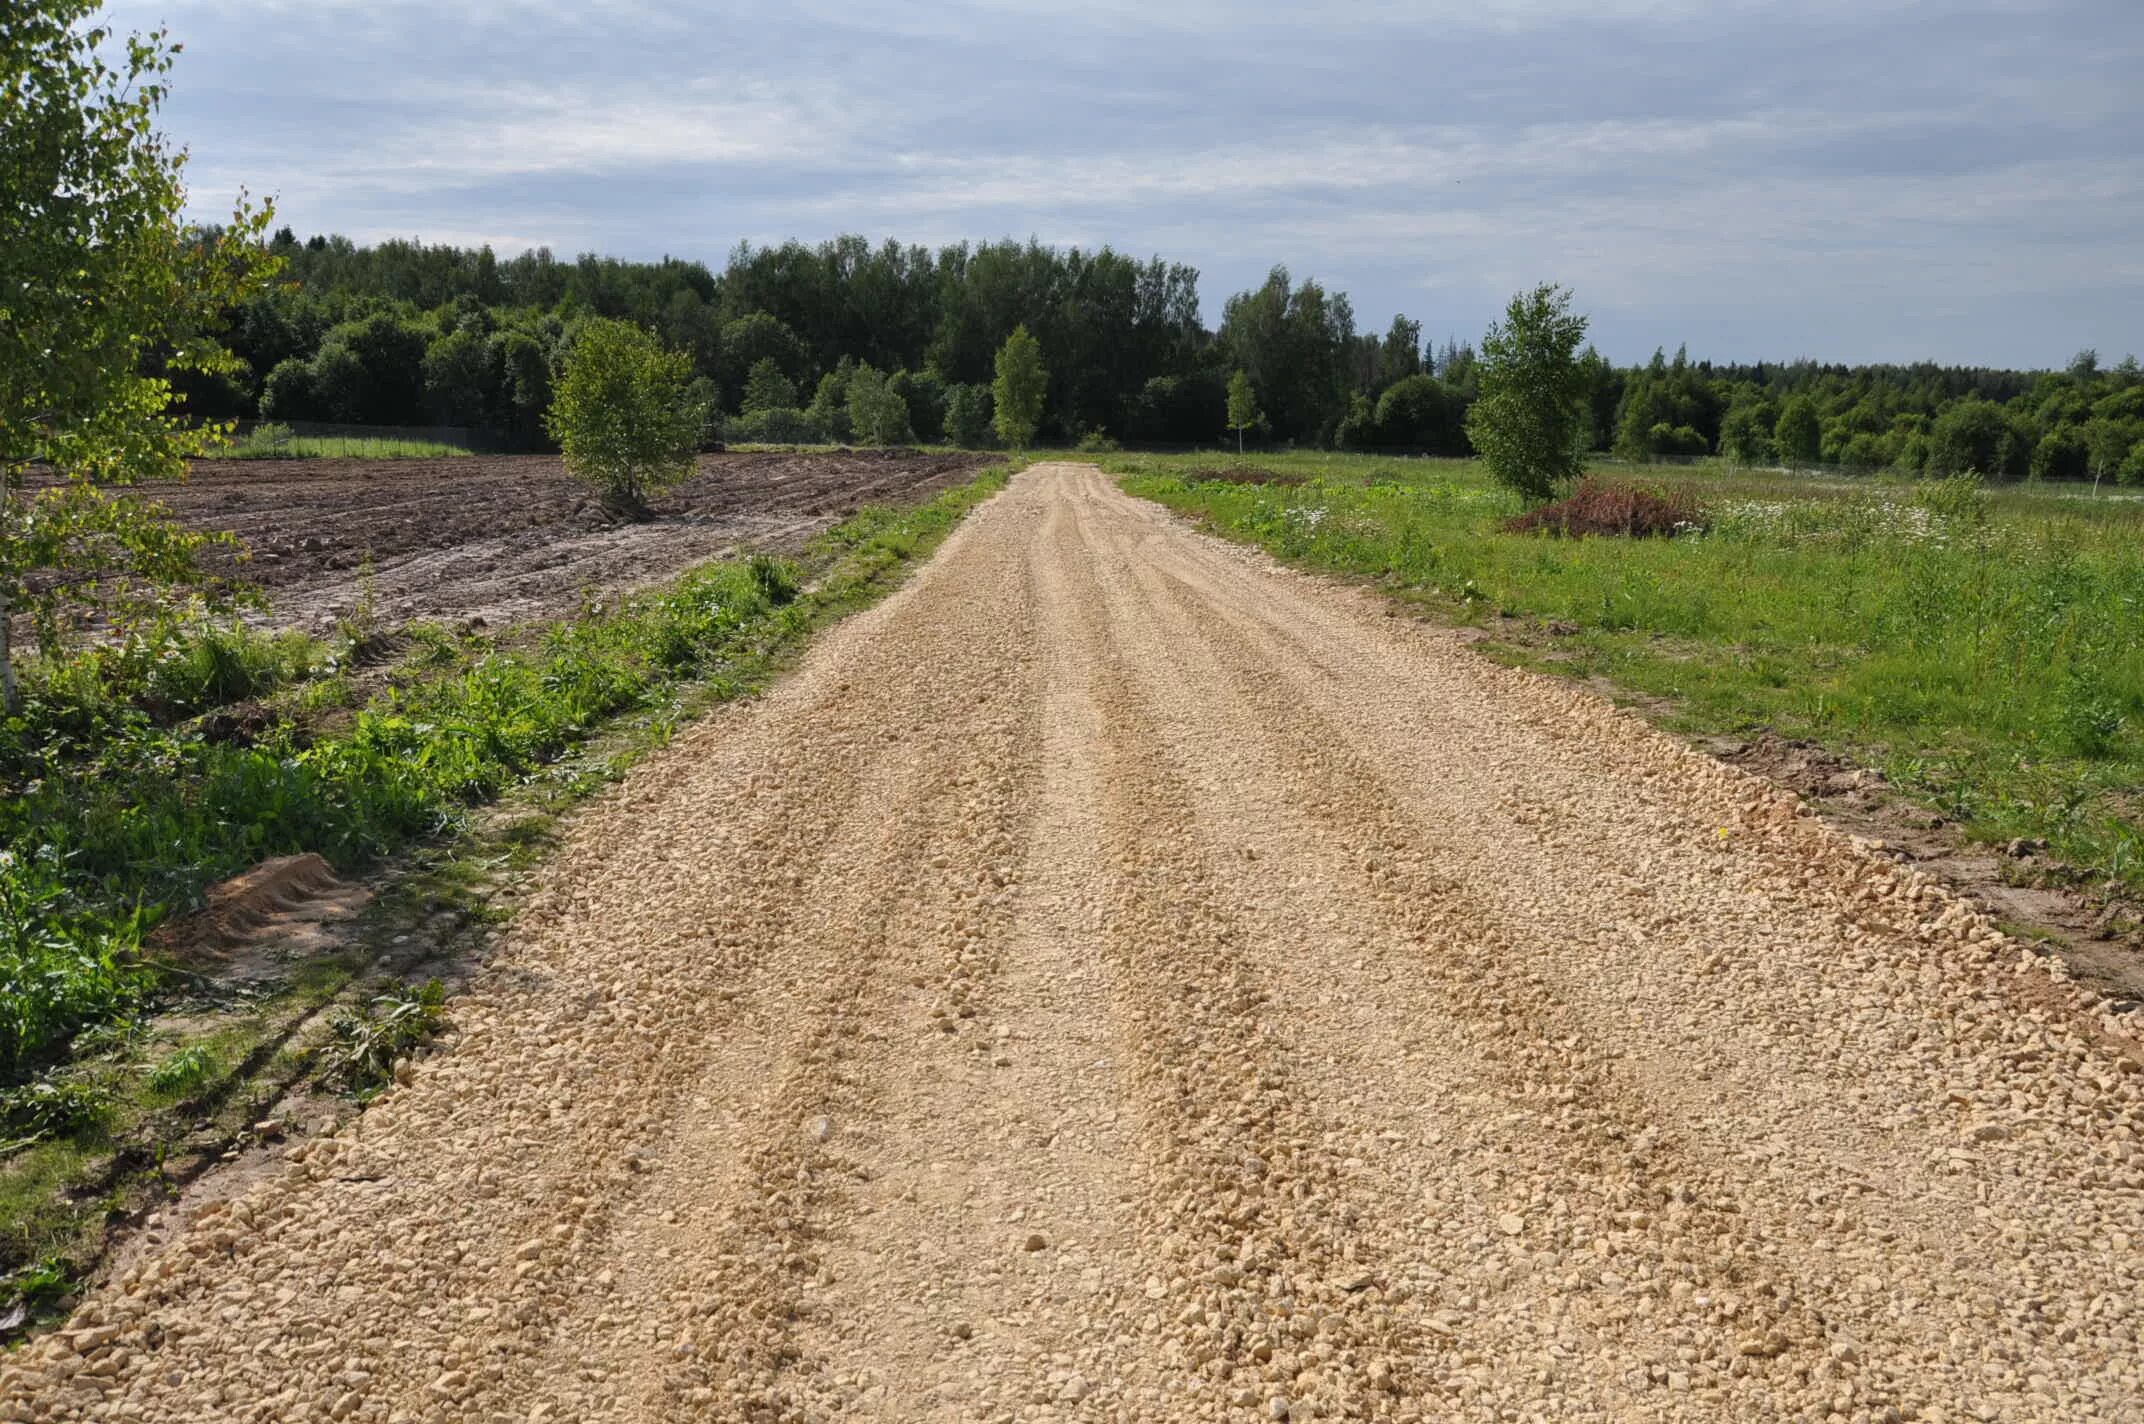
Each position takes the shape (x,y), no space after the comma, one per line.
(1118,979)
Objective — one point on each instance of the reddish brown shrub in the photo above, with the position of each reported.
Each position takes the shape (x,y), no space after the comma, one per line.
(1600,506)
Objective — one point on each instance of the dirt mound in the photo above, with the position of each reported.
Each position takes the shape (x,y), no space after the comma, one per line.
(279,906)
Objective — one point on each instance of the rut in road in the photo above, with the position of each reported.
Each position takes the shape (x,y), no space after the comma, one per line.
(1117,979)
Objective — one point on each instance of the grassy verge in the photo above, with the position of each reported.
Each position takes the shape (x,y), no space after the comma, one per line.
(1985,650)
(138,775)
(274,442)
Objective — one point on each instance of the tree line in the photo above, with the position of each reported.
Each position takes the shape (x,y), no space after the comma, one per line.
(848,341)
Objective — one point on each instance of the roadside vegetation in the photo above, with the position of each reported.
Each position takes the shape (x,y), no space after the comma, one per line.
(279,442)
(1985,650)
(141,771)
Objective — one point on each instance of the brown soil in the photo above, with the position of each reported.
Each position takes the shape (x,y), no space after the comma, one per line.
(1118,979)
(277,910)
(504,538)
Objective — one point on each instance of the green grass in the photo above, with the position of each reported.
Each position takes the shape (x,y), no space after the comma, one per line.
(275,442)
(131,783)
(1985,651)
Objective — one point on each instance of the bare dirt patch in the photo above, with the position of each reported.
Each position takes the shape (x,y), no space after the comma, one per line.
(509,538)
(280,908)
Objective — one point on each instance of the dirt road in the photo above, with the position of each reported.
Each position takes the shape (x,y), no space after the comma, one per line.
(1118,980)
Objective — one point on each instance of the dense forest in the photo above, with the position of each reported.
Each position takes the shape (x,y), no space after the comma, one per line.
(405,333)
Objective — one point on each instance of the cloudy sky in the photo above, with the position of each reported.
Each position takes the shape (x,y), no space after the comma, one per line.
(1842,179)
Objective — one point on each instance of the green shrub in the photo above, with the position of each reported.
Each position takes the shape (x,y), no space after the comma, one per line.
(51,1107)
(877,414)
(924,393)
(969,415)
(2132,467)
(766,388)
(268,441)
(183,1071)
(61,969)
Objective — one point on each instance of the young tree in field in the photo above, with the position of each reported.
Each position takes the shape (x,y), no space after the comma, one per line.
(1019,388)
(877,414)
(766,388)
(1530,421)
(624,415)
(1746,434)
(2106,442)
(1242,407)
(97,272)
(1799,434)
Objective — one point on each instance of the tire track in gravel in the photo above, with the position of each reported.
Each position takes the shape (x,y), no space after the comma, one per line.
(1861,1231)
(972,1287)
(764,1260)
(1566,1169)
(1355,1030)
(1824,1173)
(1262,1293)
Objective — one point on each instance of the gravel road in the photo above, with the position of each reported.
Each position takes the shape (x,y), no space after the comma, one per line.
(1116,979)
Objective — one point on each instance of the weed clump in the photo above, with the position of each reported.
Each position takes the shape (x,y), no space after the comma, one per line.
(1610,507)
(50,1107)
(61,970)
(1246,475)
(369,1040)
(184,1071)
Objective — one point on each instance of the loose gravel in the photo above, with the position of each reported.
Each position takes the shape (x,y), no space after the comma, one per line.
(1118,979)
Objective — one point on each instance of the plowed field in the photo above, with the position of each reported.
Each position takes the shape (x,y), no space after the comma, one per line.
(504,538)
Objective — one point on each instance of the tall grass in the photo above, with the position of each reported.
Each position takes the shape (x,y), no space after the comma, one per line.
(276,442)
(1987,651)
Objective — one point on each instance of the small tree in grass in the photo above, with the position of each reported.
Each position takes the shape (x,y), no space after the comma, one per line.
(1019,390)
(624,415)
(1799,433)
(1243,412)
(1530,421)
